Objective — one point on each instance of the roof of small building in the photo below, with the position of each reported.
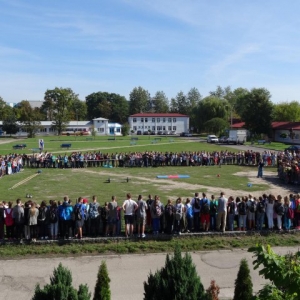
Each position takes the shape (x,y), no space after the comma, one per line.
(100,119)
(159,115)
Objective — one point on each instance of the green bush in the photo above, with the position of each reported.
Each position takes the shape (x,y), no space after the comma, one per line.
(243,283)
(102,289)
(178,279)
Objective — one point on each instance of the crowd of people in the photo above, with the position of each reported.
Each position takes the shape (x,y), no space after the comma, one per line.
(65,220)
(13,163)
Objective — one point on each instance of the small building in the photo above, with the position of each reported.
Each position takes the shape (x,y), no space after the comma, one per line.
(159,122)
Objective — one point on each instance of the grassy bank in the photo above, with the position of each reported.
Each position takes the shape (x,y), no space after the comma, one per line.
(166,244)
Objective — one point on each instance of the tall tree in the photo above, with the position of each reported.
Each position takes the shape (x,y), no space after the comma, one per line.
(160,102)
(110,106)
(255,109)
(182,103)
(287,112)
(194,97)
(243,283)
(60,287)
(216,125)
(60,100)
(178,279)
(9,124)
(102,289)
(78,110)
(139,101)
(174,106)
(5,109)
(209,108)
(29,118)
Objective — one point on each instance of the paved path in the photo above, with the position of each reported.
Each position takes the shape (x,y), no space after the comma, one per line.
(127,272)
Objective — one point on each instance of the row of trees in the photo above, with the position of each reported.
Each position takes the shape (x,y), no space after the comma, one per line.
(178,279)
(212,113)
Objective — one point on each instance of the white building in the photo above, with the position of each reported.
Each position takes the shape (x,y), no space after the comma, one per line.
(100,125)
(159,122)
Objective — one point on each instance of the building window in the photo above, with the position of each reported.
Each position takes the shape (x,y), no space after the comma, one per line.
(169,127)
(153,120)
(158,127)
(174,120)
(164,120)
(174,128)
(169,120)
(118,129)
(158,120)
(146,120)
(101,130)
(134,120)
(134,128)
(164,127)
(153,128)
(142,119)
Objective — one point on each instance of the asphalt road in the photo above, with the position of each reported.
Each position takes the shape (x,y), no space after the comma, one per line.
(127,272)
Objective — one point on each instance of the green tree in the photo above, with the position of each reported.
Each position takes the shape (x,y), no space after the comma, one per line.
(255,109)
(287,112)
(194,97)
(60,100)
(5,109)
(178,279)
(10,125)
(160,102)
(60,287)
(209,108)
(78,110)
(125,129)
(139,101)
(216,125)
(174,106)
(102,289)
(282,270)
(110,106)
(29,118)
(243,283)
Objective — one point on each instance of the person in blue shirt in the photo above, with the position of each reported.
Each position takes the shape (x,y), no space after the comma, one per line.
(79,211)
(65,217)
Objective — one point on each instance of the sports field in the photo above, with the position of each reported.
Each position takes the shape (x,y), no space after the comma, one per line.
(55,183)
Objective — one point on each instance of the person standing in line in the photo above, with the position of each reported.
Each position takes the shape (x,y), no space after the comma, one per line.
(231,213)
(156,213)
(222,212)
(113,214)
(213,212)
(270,211)
(129,207)
(196,209)
(18,216)
(260,168)
(33,215)
(141,216)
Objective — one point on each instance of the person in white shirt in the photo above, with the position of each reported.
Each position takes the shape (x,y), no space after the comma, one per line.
(129,207)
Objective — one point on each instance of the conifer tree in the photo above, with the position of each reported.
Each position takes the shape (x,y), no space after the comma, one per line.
(102,289)
(60,287)
(243,283)
(178,279)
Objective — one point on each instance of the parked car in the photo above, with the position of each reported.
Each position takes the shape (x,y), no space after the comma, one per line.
(160,132)
(223,139)
(293,148)
(146,133)
(212,139)
(166,132)
(139,132)
(186,134)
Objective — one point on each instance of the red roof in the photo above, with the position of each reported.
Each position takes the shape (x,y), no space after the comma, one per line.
(158,115)
(275,125)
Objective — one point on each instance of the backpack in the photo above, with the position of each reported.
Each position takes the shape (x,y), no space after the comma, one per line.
(178,214)
(9,221)
(290,213)
(197,203)
(231,207)
(252,207)
(261,207)
(104,213)
(189,211)
(53,215)
(213,208)
(42,214)
(242,208)
(77,213)
(169,210)
(279,209)
(93,210)
(205,208)
(158,210)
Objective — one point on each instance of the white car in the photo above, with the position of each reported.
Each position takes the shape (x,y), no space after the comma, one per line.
(212,139)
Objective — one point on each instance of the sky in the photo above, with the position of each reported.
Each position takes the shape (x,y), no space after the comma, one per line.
(160,45)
